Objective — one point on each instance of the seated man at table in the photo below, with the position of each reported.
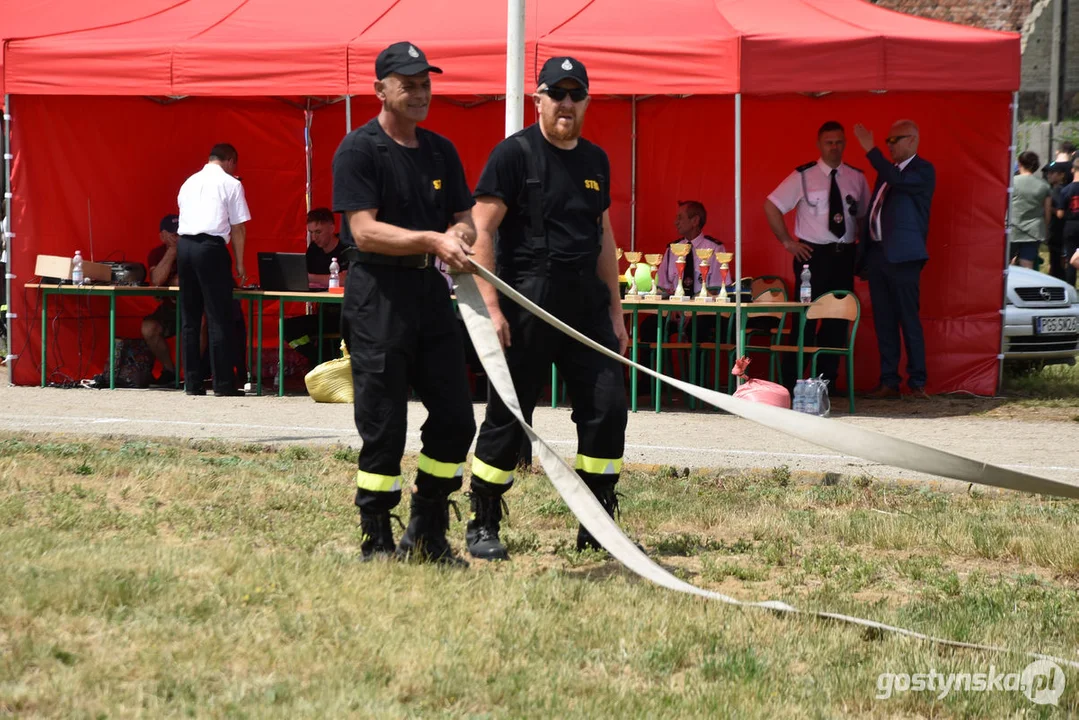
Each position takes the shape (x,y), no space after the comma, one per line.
(160,325)
(301,332)
(689,222)
(324,244)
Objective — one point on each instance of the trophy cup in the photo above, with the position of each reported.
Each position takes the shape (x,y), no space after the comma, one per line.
(634,257)
(653,260)
(724,272)
(705,255)
(680,251)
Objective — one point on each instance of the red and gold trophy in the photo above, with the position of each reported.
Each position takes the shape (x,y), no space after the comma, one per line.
(724,274)
(680,250)
(653,260)
(704,255)
(634,257)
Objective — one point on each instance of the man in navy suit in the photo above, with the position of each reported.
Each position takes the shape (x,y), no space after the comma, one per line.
(894,252)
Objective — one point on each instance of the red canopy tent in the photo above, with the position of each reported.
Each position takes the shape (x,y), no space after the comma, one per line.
(91,150)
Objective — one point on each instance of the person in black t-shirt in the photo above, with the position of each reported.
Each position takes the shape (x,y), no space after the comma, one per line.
(1058,175)
(324,246)
(554,245)
(301,331)
(404,197)
(1067,210)
(160,325)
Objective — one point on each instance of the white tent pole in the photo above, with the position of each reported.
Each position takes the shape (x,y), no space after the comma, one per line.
(308,116)
(8,238)
(737,222)
(633,181)
(348,114)
(515,66)
(1007,235)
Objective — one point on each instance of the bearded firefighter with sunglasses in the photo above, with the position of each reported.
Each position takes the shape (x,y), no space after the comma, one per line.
(542,225)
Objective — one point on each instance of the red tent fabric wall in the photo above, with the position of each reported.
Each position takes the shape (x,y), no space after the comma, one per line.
(684,151)
(117,163)
(475,127)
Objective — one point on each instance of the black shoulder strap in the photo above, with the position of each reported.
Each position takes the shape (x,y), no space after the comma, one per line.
(534,188)
(395,192)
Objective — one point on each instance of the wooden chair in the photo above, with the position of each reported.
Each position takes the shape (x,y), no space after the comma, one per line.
(834,305)
(768,282)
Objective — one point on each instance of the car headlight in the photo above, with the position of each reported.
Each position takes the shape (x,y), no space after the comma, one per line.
(1073,295)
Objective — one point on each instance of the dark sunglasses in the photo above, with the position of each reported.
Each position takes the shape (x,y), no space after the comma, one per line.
(558,94)
(896,138)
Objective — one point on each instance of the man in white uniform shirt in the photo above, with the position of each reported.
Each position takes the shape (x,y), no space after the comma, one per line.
(830,199)
(213,211)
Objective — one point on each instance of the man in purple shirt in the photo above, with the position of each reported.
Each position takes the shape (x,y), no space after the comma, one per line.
(690,222)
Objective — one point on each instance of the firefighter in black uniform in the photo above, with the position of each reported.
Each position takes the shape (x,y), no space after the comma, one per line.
(405,201)
(545,190)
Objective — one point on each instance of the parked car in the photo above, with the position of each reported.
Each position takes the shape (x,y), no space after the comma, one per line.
(1041,318)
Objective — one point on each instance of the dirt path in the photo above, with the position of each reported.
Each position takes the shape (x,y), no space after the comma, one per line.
(1047,444)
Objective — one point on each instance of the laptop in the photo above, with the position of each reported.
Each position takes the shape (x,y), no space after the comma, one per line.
(283,272)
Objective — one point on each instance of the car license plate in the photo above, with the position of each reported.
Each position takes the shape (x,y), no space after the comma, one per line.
(1055,325)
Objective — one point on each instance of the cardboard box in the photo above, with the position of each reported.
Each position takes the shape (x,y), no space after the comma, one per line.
(55,266)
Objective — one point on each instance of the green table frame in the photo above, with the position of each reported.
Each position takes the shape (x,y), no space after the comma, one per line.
(111,292)
(643,304)
(259,297)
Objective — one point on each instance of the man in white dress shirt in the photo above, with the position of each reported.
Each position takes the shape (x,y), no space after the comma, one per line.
(830,199)
(213,213)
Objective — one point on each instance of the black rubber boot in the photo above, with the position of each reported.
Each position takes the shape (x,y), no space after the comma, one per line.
(377,536)
(481,535)
(425,537)
(604,492)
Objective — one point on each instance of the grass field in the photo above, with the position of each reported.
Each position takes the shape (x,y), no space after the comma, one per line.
(167,579)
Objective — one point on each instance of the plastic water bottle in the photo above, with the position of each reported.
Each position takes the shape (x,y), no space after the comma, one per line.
(798,403)
(805,292)
(76,269)
(335,273)
(811,404)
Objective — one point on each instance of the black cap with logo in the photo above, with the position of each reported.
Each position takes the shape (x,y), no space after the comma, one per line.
(403,58)
(558,69)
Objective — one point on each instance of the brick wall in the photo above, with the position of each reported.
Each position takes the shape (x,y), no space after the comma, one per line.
(990,14)
(1032,18)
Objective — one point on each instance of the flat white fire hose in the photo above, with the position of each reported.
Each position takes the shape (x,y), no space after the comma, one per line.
(820,431)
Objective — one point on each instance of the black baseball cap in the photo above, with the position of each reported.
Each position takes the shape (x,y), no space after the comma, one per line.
(170,223)
(558,69)
(404,58)
(1062,166)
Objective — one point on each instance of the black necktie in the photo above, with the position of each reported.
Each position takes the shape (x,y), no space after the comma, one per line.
(689,274)
(836,222)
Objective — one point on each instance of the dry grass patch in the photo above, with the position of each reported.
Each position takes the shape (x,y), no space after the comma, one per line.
(173,579)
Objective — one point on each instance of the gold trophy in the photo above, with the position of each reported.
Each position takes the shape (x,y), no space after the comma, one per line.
(653,260)
(704,254)
(634,257)
(680,251)
(724,272)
